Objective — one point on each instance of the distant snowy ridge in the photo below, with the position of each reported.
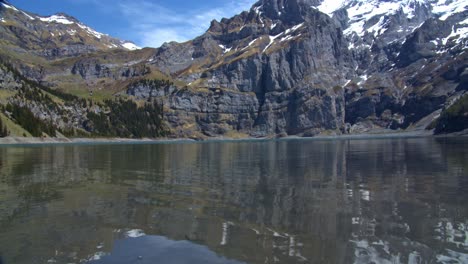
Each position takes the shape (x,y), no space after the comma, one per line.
(62,19)
(362,11)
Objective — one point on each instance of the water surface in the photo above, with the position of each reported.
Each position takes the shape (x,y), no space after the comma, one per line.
(295,201)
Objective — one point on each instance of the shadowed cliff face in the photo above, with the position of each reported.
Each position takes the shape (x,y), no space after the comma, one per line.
(284,67)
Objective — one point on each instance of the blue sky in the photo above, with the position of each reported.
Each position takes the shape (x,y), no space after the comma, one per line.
(148,23)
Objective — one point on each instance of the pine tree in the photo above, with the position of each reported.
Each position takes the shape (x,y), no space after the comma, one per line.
(3,129)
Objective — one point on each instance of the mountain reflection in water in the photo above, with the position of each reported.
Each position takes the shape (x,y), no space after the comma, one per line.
(293,201)
(148,249)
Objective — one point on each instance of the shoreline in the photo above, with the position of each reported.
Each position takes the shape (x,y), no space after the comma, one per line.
(32,141)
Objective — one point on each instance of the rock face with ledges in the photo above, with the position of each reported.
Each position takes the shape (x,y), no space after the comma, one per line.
(388,65)
(284,57)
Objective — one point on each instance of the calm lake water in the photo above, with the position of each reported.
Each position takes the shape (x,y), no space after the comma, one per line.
(295,201)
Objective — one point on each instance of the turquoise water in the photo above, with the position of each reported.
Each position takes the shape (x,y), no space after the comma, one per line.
(295,201)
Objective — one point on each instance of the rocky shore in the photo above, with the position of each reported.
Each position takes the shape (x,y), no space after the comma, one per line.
(12,141)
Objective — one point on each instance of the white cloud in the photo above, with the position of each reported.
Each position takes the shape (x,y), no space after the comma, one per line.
(154,24)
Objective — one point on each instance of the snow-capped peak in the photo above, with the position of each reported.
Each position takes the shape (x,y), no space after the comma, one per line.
(130,46)
(225,49)
(57,19)
(71,26)
(61,19)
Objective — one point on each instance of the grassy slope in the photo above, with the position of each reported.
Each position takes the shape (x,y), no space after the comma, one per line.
(15,129)
(454,118)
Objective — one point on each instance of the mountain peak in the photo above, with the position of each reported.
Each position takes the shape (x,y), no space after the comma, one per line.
(276,8)
(7,4)
(68,17)
(68,35)
(290,12)
(60,18)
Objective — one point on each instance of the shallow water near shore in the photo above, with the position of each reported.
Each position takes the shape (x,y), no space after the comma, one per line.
(395,200)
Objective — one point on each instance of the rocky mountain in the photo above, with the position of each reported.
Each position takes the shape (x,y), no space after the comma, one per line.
(53,36)
(410,54)
(284,67)
(292,69)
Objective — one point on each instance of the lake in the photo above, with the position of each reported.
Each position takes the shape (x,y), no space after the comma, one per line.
(288,201)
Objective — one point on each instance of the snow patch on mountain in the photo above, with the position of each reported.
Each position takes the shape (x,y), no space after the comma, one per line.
(457,34)
(225,49)
(272,40)
(446,8)
(330,6)
(360,12)
(250,44)
(15,9)
(56,19)
(91,31)
(366,9)
(28,16)
(130,46)
(71,32)
(296,27)
(10,7)
(379,27)
(257,9)
(284,34)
